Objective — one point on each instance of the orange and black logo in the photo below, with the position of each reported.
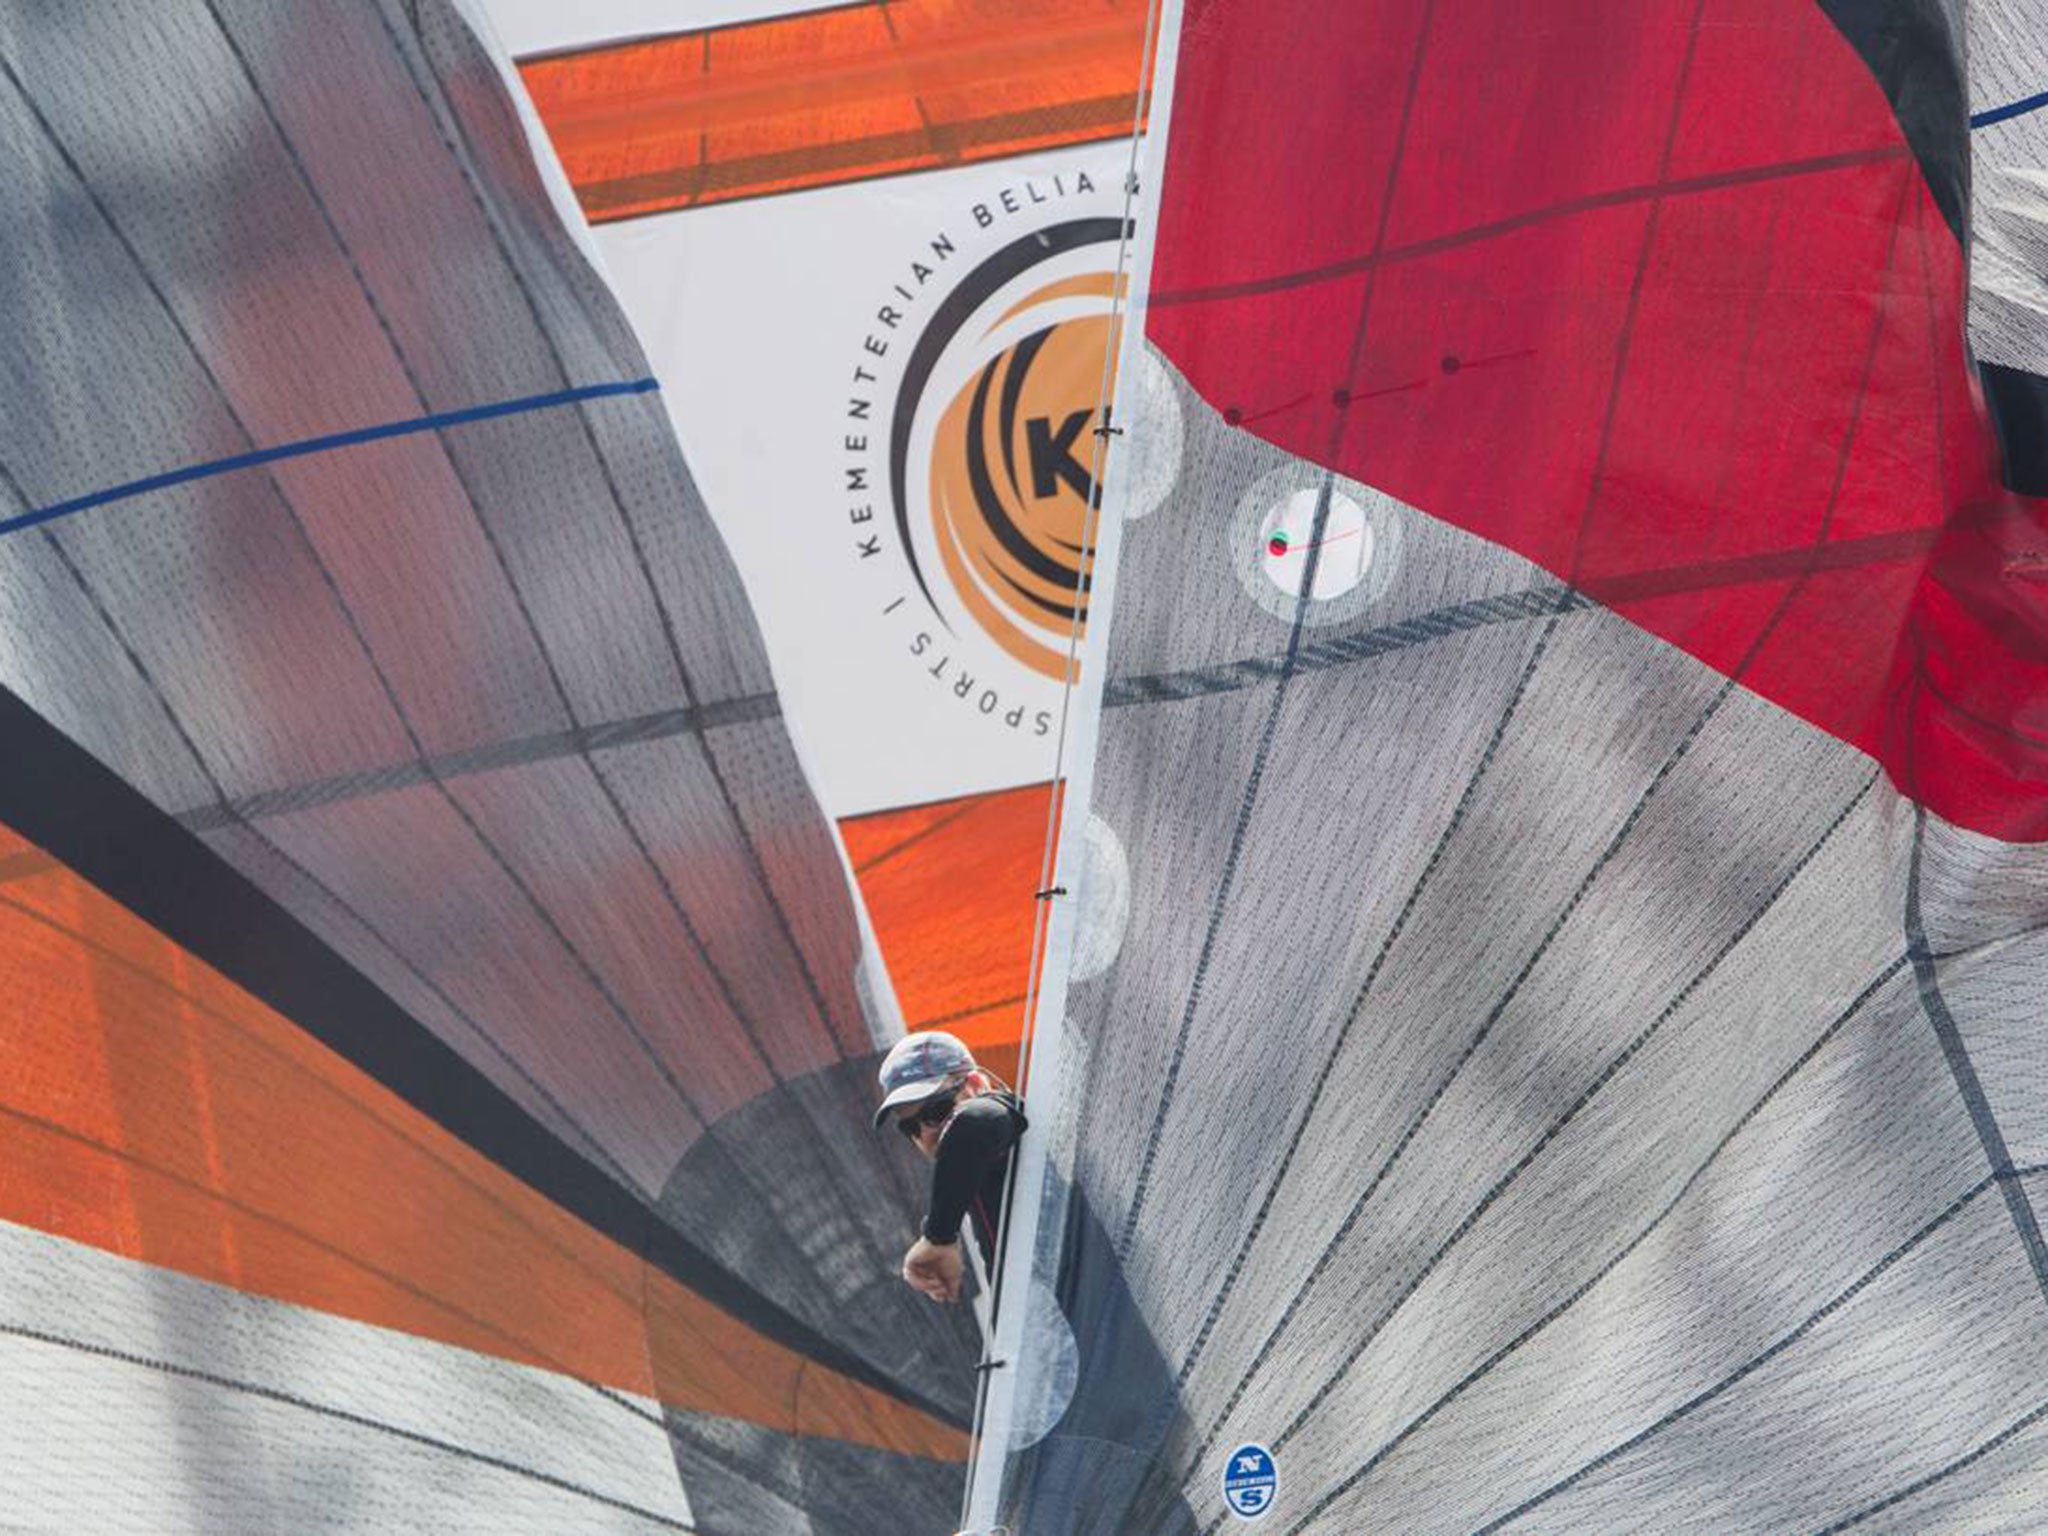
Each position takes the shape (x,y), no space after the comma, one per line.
(995,452)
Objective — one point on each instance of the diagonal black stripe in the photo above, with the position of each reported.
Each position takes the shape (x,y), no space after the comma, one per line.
(1298,1137)
(2018,1426)
(342,1257)
(692,717)
(1957,1054)
(1749,1367)
(134,256)
(850,1036)
(1478,1372)
(36,862)
(624,1230)
(293,1066)
(1287,668)
(104,956)
(516,752)
(1438,624)
(63,799)
(141,268)
(326,1410)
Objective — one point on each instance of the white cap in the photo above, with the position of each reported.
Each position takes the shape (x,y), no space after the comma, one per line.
(920,1065)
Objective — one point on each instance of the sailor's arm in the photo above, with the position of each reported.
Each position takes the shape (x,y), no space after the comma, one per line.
(980,1132)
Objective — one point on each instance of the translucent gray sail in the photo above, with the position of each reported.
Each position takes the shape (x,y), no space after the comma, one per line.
(344,524)
(1545,1081)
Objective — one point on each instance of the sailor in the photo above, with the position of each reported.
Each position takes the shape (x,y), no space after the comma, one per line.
(965,1121)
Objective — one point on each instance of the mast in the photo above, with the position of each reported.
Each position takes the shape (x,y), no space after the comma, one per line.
(1043,1065)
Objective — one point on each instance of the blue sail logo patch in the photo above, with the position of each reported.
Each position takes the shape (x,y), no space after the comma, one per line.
(1250,1481)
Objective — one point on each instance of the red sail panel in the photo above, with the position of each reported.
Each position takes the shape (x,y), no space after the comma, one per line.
(1527,334)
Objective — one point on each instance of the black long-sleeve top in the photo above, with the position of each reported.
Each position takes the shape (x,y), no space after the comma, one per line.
(968,1171)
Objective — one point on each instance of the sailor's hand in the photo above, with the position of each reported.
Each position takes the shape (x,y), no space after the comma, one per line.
(934,1268)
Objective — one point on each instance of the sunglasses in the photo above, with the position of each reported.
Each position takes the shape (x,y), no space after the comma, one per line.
(935,1110)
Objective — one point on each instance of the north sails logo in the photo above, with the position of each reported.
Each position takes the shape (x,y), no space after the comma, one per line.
(972,447)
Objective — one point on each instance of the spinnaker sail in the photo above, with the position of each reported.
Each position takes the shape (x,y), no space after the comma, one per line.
(1537,1027)
(1572,732)
(441,1043)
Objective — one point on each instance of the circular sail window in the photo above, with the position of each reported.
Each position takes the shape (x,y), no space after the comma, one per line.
(1313,545)
(1152,453)
(1289,550)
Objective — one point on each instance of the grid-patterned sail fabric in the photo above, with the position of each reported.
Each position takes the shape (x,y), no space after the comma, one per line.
(365,635)
(1572,737)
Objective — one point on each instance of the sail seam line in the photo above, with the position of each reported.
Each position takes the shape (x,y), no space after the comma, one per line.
(311,550)
(135,1161)
(598,298)
(1247,804)
(1733,679)
(1050,953)
(1612,1069)
(1970,1458)
(498,856)
(1841,1021)
(1964,1071)
(490,535)
(663,1245)
(327,1410)
(1611,592)
(420,70)
(1315,1095)
(327,443)
(1440,624)
(515,753)
(717,973)
(1287,670)
(104,955)
(1619,197)
(1299,1299)
(1749,1367)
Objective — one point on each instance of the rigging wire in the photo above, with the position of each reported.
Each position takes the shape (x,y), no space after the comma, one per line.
(1047,888)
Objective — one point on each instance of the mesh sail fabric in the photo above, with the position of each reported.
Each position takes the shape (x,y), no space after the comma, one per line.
(245,1276)
(342,526)
(2009,232)
(1572,729)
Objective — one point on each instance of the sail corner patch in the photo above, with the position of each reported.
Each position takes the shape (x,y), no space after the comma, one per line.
(1249,1481)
